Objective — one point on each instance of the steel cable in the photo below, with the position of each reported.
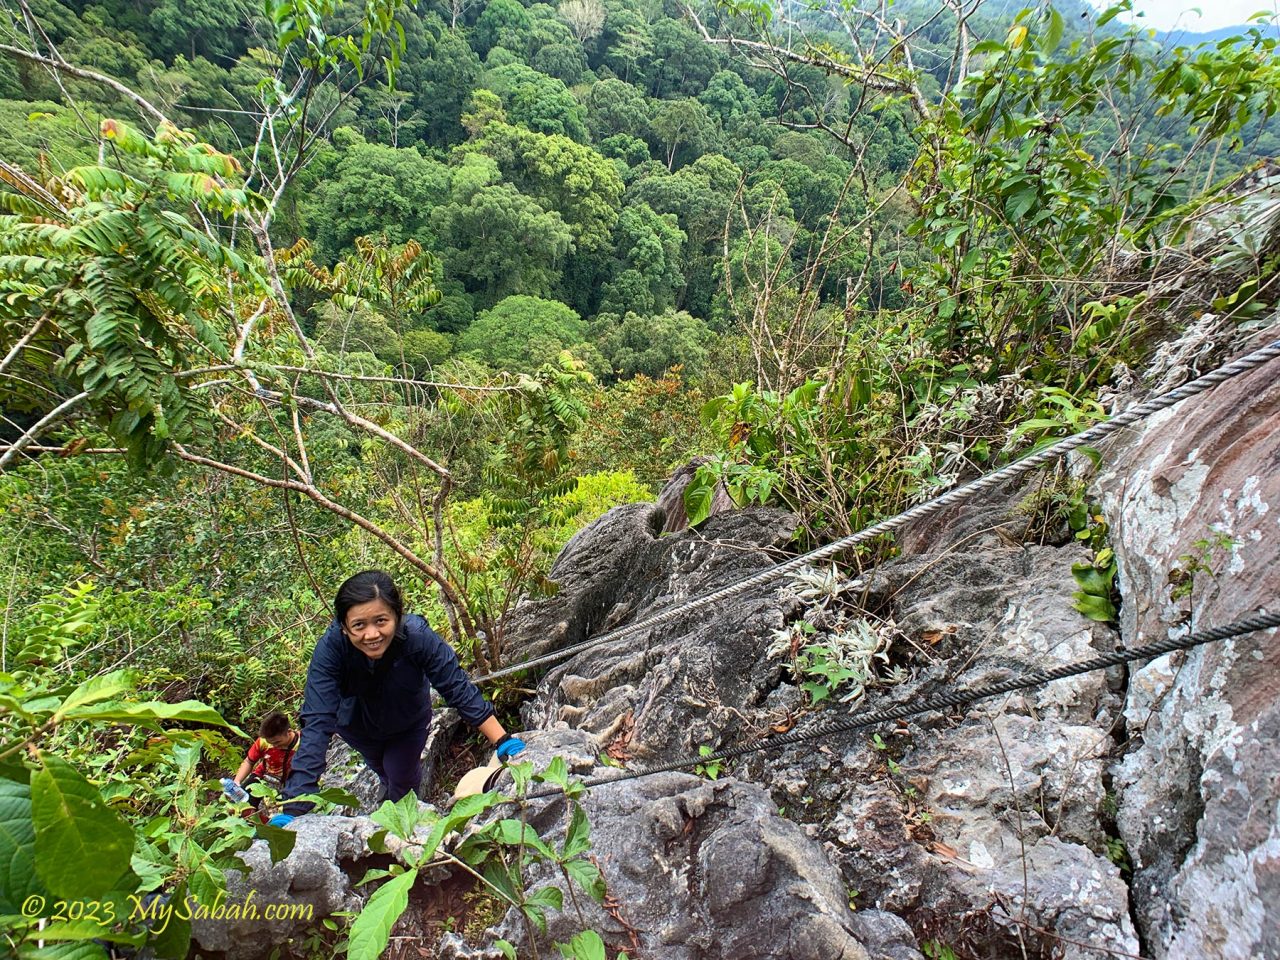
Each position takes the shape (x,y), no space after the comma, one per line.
(942,701)
(1095,433)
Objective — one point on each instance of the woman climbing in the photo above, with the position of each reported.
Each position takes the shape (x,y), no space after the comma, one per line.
(370,682)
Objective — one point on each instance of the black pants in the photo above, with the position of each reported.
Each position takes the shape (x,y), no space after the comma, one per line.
(397,760)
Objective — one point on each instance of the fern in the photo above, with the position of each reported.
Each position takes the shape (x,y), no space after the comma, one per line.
(128,290)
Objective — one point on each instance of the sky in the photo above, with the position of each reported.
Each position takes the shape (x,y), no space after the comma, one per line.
(1182,15)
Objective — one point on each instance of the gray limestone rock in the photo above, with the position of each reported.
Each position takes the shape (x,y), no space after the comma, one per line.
(934,837)
(300,890)
(1193,496)
(695,869)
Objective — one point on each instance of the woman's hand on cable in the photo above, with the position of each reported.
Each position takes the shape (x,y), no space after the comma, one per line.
(508,747)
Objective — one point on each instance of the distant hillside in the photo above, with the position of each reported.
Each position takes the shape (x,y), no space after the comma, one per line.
(1190,38)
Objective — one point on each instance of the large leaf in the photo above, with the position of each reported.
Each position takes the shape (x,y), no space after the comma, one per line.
(372,929)
(18,879)
(577,838)
(84,950)
(513,832)
(82,846)
(401,817)
(587,945)
(105,687)
(279,840)
(587,875)
(152,712)
(698,496)
(1095,608)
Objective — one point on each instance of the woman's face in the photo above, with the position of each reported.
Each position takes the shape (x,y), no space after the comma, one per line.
(370,627)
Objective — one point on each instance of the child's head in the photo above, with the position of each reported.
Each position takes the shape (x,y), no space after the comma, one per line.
(276,729)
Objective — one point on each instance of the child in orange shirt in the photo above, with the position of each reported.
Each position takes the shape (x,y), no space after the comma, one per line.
(271,755)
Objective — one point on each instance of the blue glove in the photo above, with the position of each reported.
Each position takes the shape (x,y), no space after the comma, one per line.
(280,820)
(509,746)
(235,793)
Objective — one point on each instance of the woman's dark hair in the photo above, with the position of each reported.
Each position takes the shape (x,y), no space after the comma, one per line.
(365,586)
(274,724)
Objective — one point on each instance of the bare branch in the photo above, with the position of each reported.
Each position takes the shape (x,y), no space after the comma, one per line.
(17,347)
(52,417)
(331,375)
(362,522)
(868,75)
(64,67)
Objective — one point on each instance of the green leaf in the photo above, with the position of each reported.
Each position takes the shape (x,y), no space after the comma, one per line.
(338,797)
(1020,201)
(371,931)
(82,845)
(279,840)
(105,687)
(83,950)
(1053,32)
(546,898)
(151,713)
(587,875)
(97,929)
(577,838)
(513,832)
(171,937)
(1092,580)
(507,949)
(1094,607)
(18,879)
(587,945)
(557,772)
(401,817)
(698,496)
(988,46)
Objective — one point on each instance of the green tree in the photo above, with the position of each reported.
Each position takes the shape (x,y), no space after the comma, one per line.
(564,176)
(627,42)
(683,64)
(630,151)
(614,107)
(564,61)
(443,81)
(374,189)
(647,275)
(354,329)
(652,345)
(502,242)
(522,333)
(539,102)
(424,349)
(730,102)
(483,107)
(503,23)
(682,123)
(211,28)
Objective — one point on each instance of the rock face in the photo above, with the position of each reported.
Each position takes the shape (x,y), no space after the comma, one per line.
(981,829)
(665,691)
(1195,493)
(695,869)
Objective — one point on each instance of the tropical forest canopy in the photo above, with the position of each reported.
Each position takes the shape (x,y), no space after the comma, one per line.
(292,290)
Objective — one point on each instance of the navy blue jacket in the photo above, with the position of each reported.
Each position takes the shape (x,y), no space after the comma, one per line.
(379,699)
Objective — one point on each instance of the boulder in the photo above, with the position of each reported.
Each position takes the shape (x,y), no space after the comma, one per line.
(292,895)
(668,689)
(695,870)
